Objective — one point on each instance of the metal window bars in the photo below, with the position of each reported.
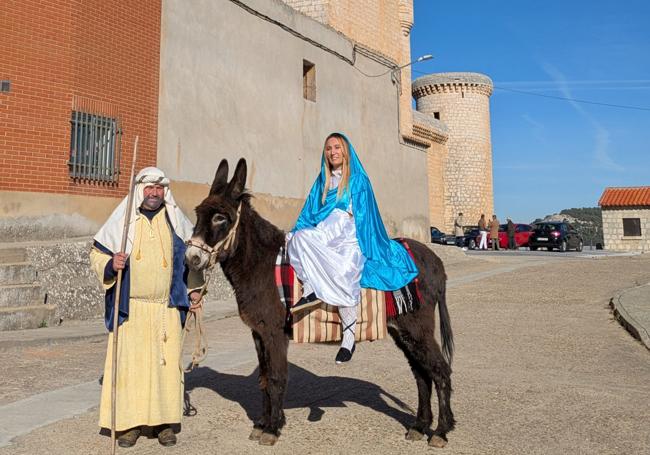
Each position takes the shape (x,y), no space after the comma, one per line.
(95,142)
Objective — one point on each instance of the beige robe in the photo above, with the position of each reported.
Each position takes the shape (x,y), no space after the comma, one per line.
(149,379)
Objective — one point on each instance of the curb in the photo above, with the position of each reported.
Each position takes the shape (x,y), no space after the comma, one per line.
(626,319)
(98,335)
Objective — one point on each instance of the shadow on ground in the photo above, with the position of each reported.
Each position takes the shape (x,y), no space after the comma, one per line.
(305,390)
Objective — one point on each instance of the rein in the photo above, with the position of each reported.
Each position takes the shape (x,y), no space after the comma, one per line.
(201,343)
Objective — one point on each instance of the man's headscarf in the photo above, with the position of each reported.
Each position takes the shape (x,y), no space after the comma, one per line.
(110,234)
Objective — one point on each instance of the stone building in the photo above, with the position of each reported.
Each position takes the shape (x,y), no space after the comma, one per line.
(204,80)
(626,218)
(463,169)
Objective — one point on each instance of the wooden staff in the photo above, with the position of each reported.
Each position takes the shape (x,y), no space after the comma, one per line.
(118,286)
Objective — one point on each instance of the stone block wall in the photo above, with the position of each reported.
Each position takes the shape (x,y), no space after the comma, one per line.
(613,229)
(461,101)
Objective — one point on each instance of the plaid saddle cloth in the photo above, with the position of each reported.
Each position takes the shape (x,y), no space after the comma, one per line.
(321,323)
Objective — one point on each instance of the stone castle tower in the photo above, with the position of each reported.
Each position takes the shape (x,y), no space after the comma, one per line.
(461,101)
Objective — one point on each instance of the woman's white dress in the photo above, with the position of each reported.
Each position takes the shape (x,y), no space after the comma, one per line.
(327,258)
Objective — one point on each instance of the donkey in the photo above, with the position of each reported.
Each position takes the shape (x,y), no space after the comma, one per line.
(229,231)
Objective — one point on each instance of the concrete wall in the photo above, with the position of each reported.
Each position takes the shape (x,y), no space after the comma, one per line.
(613,229)
(231,86)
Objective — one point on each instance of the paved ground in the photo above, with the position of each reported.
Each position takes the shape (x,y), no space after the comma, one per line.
(541,367)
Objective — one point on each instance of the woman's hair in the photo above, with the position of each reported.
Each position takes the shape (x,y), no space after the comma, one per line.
(345,168)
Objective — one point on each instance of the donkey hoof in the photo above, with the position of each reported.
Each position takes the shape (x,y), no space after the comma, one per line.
(268,439)
(255,434)
(414,435)
(437,442)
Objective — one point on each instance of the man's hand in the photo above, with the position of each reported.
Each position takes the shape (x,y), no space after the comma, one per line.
(194,299)
(119,261)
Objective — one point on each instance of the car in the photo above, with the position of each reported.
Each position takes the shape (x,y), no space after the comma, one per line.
(437,236)
(555,234)
(469,239)
(522,234)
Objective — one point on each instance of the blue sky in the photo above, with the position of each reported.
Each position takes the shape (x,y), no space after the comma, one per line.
(551,154)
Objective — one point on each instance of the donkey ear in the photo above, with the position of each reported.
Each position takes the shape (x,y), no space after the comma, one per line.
(220,178)
(238,182)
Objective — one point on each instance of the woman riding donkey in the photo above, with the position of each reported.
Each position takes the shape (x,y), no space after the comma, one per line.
(340,245)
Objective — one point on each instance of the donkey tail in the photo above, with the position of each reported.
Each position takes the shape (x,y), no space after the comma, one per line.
(446,333)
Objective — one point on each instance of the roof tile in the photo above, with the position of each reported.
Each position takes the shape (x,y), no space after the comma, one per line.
(625,197)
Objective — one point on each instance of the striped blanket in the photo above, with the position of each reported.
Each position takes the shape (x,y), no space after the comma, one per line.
(322,323)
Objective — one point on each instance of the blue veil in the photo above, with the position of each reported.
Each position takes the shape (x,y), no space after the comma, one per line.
(388,265)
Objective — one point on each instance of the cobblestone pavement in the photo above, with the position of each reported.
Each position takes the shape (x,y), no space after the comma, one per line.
(540,367)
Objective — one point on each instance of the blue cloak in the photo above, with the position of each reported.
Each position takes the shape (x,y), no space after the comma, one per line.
(388,265)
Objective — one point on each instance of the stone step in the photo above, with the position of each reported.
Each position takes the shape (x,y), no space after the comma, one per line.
(17,273)
(12,255)
(17,295)
(27,317)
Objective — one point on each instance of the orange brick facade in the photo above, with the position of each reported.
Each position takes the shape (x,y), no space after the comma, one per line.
(106,51)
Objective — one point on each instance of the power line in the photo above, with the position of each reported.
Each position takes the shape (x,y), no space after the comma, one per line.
(562,98)
(575,100)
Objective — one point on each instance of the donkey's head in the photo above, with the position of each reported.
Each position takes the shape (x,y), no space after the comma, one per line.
(217,218)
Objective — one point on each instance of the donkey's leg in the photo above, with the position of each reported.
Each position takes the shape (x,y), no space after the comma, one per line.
(417,332)
(262,422)
(446,421)
(424,383)
(277,346)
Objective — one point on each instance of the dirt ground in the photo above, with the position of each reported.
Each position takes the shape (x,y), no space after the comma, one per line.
(541,367)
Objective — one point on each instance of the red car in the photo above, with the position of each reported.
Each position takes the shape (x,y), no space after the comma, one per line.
(522,234)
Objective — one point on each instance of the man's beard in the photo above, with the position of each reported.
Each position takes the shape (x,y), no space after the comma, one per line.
(152,202)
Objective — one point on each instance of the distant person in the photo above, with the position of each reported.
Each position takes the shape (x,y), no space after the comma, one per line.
(482,227)
(494,232)
(512,245)
(458,229)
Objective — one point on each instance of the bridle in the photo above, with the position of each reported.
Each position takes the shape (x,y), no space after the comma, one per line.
(224,245)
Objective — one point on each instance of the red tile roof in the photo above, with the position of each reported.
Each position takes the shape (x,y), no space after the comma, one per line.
(625,197)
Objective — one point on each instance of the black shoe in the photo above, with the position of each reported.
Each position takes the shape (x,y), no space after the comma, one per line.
(344,355)
(306,302)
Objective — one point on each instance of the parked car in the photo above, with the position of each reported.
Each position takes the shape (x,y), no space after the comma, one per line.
(555,234)
(522,234)
(437,236)
(469,239)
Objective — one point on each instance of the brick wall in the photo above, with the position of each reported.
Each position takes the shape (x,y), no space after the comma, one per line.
(102,50)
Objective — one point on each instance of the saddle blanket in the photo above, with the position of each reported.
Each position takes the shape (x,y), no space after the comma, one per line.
(321,323)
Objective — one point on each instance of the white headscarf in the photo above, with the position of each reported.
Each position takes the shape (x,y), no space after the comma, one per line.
(110,234)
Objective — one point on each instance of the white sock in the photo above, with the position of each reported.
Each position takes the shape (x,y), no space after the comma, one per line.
(348,323)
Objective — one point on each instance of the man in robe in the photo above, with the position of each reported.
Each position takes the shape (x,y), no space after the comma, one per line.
(154,302)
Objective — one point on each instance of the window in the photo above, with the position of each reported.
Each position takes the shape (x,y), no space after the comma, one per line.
(631,227)
(436,115)
(308,80)
(5,86)
(94,147)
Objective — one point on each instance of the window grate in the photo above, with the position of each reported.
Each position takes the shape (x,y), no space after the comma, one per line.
(94,147)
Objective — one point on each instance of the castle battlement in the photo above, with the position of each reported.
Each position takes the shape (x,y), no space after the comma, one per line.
(452,82)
